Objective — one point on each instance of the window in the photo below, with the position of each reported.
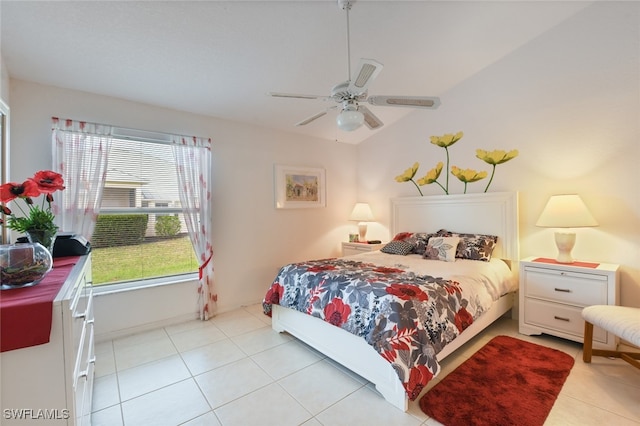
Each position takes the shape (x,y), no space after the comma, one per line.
(140,232)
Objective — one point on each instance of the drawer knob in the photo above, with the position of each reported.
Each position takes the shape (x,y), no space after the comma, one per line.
(563,290)
(561,318)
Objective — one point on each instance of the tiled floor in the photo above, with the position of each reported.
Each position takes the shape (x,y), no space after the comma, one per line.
(234,370)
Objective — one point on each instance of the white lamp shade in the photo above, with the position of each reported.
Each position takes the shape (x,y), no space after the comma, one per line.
(566,211)
(350,119)
(361,213)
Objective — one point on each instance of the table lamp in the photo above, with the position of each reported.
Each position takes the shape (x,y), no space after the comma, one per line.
(565,211)
(362,213)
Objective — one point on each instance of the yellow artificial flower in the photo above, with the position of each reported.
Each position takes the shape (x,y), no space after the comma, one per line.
(467,175)
(494,158)
(408,174)
(432,175)
(447,139)
(497,156)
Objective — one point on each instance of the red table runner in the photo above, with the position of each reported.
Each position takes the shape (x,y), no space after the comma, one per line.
(26,313)
(555,262)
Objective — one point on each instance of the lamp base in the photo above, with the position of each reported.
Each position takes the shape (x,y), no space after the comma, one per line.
(565,242)
(362,231)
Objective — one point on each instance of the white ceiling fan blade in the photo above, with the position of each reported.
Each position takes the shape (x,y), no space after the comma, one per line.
(405,101)
(368,70)
(312,118)
(297,96)
(370,120)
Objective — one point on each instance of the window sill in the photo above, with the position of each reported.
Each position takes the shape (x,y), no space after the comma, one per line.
(142,284)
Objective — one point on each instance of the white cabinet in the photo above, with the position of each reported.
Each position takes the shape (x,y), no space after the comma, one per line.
(51,384)
(349,249)
(553,295)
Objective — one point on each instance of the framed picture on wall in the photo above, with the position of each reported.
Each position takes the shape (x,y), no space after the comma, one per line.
(299,187)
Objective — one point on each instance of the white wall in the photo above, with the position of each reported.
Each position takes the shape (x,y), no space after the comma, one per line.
(251,238)
(569,101)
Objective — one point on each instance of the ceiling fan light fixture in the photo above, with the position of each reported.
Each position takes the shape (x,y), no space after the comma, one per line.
(350,119)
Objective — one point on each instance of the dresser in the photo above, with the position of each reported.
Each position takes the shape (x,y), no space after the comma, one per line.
(349,249)
(51,383)
(552,297)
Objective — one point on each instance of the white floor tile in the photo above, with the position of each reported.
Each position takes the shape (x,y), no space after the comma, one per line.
(232,381)
(169,406)
(105,392)
(131,355)
(319,386)
(285,359)
(197,337)
(212,356)
(372,409)
(259,340)
(148,377)
(111,416)
(269,406)
(208,419)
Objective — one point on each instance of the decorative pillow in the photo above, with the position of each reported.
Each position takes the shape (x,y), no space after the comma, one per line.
(476,246)
(401,236)
(398,247)
(442,248)
(420,239)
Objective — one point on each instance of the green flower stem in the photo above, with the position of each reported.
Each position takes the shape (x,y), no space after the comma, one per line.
(443,188)
(446,148)
(465,188)
(491,178)
(419,190)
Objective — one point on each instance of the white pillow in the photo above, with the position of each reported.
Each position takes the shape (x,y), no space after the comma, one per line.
(442,248)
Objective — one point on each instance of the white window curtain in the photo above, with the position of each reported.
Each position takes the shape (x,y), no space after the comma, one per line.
(80,154)
(193,164)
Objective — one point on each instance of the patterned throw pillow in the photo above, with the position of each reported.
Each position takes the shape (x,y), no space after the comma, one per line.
(442,248)
(419,240)
(398,247)
(476,246)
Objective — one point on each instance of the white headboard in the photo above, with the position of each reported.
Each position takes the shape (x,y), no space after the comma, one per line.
(494,213)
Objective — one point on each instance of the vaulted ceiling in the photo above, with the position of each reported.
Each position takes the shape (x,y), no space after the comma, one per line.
(221,58)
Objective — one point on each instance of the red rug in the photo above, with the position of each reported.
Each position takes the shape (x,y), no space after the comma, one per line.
(507,382)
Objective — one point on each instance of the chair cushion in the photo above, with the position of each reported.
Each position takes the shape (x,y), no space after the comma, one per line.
(623,321)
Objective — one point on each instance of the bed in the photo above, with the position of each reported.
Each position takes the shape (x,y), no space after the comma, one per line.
(351,319)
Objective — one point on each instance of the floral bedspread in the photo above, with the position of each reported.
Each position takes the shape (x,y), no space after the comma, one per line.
(407,318)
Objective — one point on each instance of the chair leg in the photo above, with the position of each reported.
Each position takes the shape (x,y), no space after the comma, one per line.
(588,342)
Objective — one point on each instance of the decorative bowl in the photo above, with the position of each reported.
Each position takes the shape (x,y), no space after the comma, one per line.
(23,264)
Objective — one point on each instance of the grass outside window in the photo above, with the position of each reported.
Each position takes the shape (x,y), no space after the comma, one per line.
(163,257)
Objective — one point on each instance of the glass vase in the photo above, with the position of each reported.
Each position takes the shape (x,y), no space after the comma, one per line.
(23,264)
(46,237)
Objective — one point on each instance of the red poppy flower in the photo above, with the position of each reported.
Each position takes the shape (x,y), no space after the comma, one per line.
(48,181)
(418,379)
(407,292)
(10,191)
(336,312)
(463,319)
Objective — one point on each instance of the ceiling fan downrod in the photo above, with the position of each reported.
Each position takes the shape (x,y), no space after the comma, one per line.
(346,6)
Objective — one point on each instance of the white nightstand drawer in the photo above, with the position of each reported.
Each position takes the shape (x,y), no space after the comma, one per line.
(567,319)
(566,287)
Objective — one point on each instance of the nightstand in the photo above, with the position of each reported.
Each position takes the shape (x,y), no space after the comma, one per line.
(552,296)
(349,249)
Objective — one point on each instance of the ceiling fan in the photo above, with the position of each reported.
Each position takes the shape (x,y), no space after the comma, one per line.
(351,93)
